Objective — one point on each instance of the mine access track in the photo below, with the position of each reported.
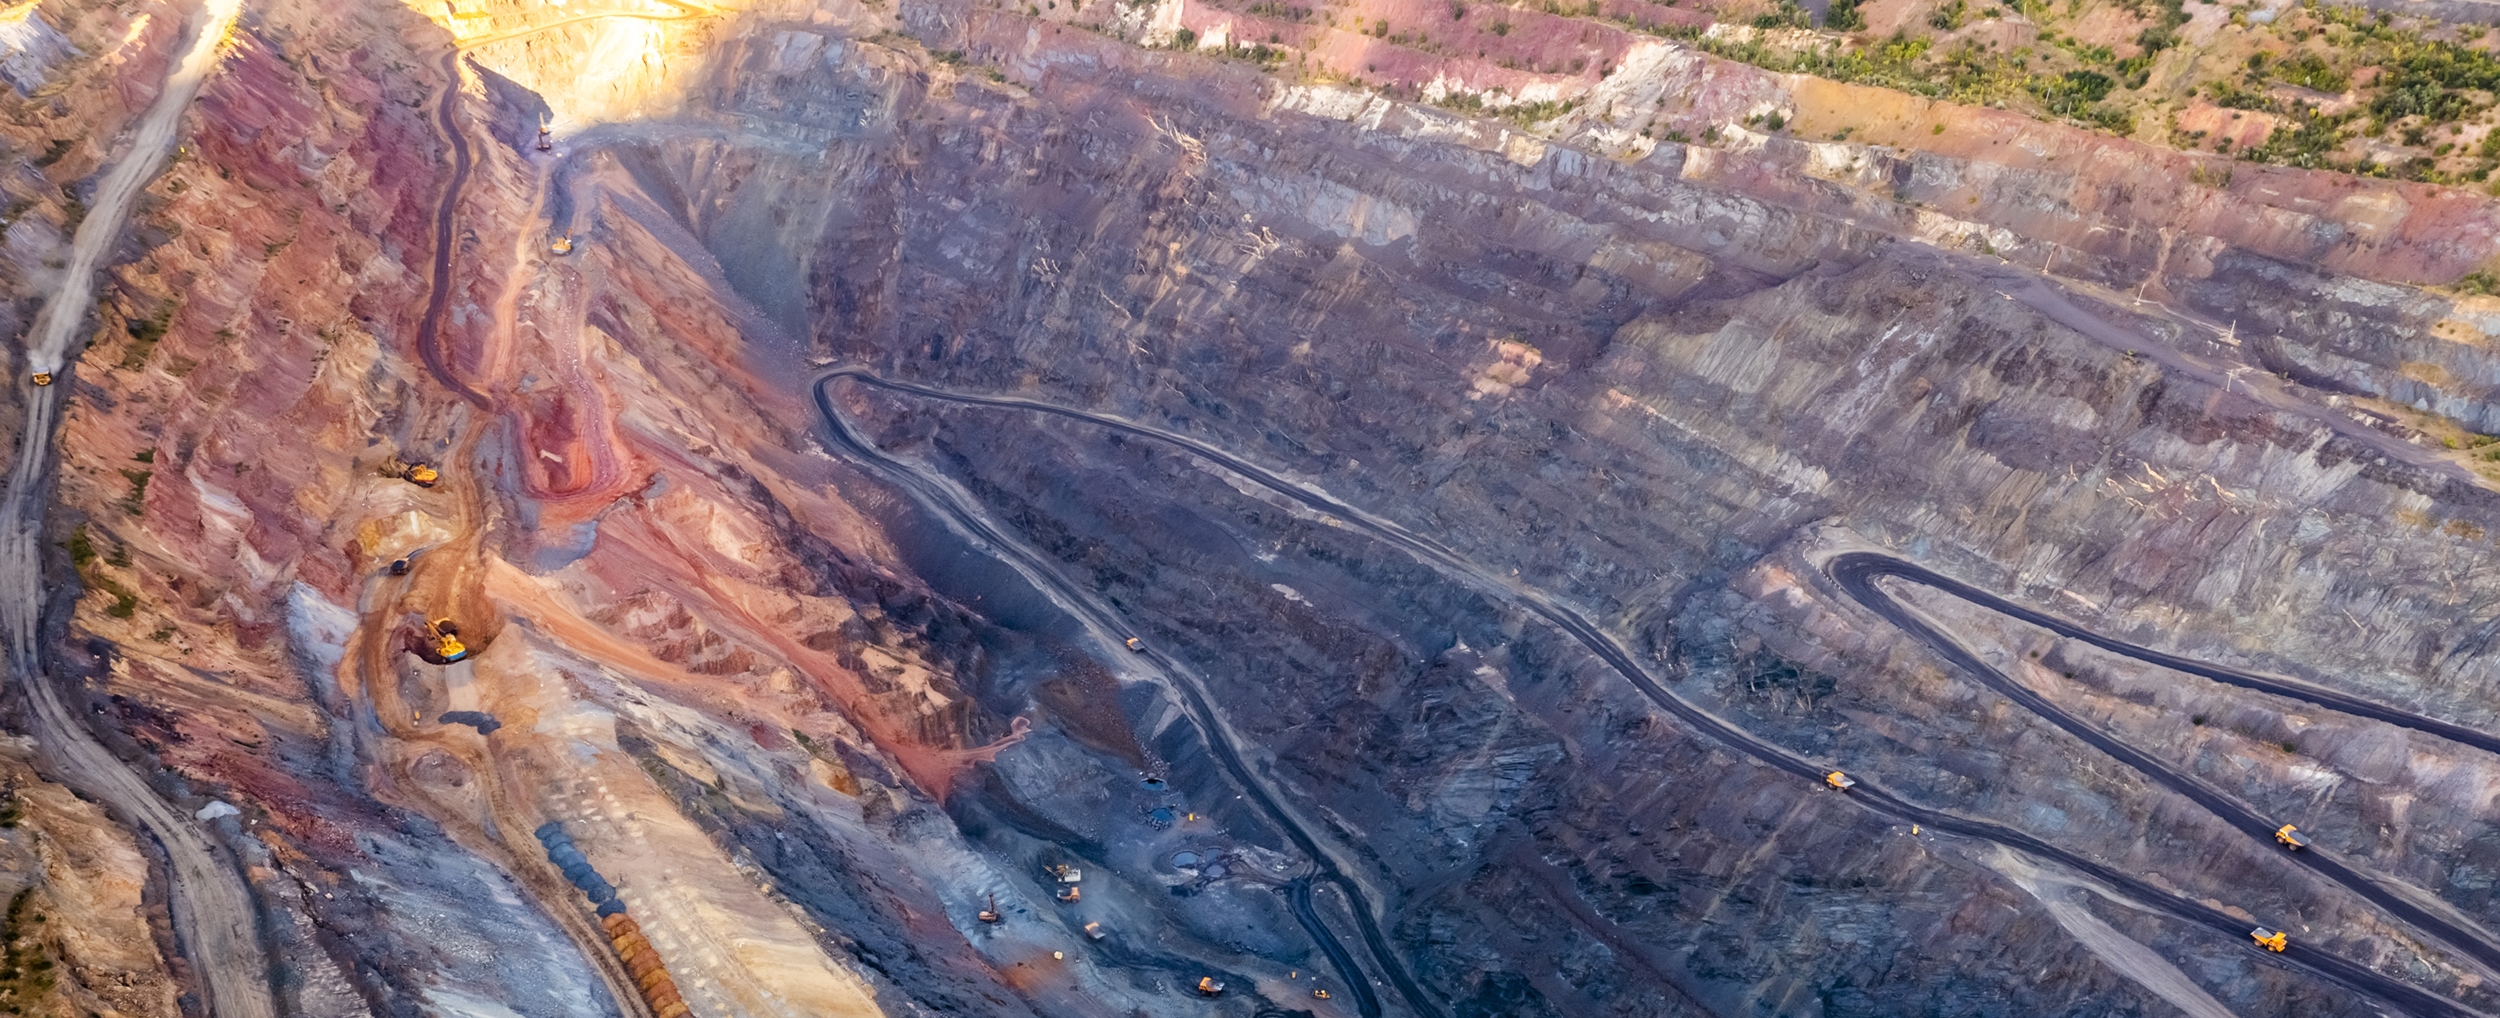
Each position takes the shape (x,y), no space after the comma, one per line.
(1030,564)
(2326,965)
(1858,574)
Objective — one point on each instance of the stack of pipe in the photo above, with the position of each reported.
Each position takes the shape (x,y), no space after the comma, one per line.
(651,979)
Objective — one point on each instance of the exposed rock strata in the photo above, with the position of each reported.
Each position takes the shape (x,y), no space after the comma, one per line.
(809,732)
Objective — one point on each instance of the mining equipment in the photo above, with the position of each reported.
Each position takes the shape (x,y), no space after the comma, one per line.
(417,473)
(990,914)
(1067,874)
(1840,781)
(399,567)
(1208,987)
(563,245)
(1071,896)
(1133,643)
(1094,931)
(447,645)
(2272,940)
(43,378)
(2291,838)
(1320,994)
(544,145)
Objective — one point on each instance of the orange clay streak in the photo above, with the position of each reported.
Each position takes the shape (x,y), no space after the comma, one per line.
(693,577)
(631,546)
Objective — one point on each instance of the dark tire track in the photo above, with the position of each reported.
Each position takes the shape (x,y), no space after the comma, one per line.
(2332,967)
(438,303)
(1858,573)
(1201,709)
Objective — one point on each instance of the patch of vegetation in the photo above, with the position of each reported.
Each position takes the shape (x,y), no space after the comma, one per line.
(1786,15)
(2229,94)
(58,151)
(25,959)
(82,553)
(2308,140)
(145,333)
(2311,71)
(81,547)
(1843,16)
(1947,17)
(136,502)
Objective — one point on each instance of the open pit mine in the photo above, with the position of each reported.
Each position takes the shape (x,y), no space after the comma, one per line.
(1250,508)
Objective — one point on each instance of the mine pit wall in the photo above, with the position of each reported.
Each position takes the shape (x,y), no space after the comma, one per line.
(1690,403)
(278,264)
(1701,413)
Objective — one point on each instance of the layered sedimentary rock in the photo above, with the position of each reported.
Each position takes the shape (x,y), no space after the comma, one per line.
(827,704)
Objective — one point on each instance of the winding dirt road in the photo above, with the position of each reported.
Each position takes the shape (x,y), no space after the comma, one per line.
(2331,967)
(212,910)
(1104,623)
(1860,575)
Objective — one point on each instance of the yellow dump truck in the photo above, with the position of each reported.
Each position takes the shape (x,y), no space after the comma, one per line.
(1840,781)
(2272,940)
(2291,837)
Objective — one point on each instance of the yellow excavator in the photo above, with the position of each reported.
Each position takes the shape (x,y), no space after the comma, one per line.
(43,378)
(446,637)
(417,473)
(2272,940)
(2291,838)
(562,245)
(990,914)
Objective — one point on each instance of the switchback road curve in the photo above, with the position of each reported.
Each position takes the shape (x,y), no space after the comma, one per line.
(940,499)
(2332,967)
(1858,574)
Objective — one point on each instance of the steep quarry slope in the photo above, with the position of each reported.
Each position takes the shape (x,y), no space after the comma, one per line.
(1471,497)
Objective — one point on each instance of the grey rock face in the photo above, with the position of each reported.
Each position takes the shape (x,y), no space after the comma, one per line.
(1655,402)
